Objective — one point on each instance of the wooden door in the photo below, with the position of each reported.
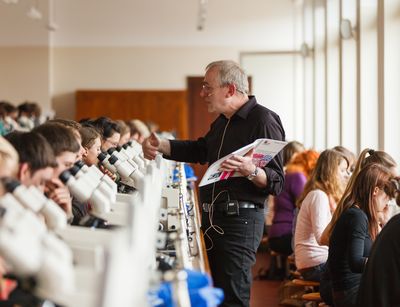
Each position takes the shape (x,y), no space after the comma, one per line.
(198,116)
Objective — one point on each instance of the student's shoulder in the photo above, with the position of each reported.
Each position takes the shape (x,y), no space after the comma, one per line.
(356,216)
(318,194)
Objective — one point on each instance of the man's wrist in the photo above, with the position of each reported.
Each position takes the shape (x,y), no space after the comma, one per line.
(165,147)
(253,174)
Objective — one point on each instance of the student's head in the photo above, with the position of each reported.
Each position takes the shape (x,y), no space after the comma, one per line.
(28,109)
(75,126)
(290,150)
(8,159)
(304,162)
(373,187)
(109,130)
(63,142)
(367,157)
(350,156)
(125,132)
(329,175)
(36,158)
(91,142)
(139,130)
(10,110)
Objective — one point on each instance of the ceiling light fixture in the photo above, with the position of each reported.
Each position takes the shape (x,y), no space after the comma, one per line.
(34,13)
(202,14)
(10,1)
(51,24)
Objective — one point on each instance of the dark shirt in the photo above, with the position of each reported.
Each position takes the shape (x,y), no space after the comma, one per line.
(79,211)
(349,248)
(380,282)
(252,121)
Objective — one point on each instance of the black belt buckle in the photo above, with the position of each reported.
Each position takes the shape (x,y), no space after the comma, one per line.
(232,208)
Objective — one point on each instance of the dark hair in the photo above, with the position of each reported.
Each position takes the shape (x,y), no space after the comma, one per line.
(106,126)
(8,107)
(33,149)
(89,135)
(60,137)
(31,108)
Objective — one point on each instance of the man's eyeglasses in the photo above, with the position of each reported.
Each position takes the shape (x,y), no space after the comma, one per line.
(208,89)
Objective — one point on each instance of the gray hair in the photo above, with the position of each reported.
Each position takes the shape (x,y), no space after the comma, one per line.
(229,72)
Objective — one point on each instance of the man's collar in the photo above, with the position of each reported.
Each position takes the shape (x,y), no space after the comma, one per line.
(245,109)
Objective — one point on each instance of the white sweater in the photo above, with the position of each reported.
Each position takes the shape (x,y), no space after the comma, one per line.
(313,217)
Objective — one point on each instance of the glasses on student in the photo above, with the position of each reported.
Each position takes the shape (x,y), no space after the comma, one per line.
(113,144)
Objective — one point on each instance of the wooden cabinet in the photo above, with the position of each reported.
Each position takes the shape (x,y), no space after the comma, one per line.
(168,109)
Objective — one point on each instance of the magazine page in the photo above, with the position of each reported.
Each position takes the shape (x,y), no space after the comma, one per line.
(264,150)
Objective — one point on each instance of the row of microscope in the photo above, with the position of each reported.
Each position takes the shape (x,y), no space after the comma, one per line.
(154,236)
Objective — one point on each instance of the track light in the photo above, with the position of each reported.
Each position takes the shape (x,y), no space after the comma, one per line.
(202,14)
(34,13)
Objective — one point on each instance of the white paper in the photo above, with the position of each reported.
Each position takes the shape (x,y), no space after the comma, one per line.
(264,151)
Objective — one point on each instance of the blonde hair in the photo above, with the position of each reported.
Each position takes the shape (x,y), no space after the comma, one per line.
(374,157)
(8,157)
(324,176)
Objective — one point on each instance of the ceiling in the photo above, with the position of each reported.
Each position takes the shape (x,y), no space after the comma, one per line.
(250,23)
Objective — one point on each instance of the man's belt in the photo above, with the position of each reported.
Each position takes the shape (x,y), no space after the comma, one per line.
(229,206)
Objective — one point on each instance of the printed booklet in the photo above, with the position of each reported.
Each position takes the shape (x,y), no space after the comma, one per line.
(264,150)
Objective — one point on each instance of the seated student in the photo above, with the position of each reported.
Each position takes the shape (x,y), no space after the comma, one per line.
(36,158)
(125,132)
(318,200)
(91,143)
(76,127)
(26,118)
(8,168)
(297,171)
(109,131)
(139,130)
(367,156)
(380,281)
(65,148)
(350,156)
(355,231)
(8,159)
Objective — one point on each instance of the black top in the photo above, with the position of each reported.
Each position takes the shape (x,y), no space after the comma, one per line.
(380,284)
(252,121)
(349,248)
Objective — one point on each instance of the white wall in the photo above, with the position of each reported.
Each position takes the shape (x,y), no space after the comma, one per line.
(127,68)
(24,75)
(132,44)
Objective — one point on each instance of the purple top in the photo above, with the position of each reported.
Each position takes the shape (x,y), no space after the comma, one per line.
(285,203)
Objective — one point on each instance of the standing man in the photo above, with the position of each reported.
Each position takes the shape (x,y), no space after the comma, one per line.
(233,215)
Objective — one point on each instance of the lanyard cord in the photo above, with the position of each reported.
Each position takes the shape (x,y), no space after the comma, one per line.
(211,206)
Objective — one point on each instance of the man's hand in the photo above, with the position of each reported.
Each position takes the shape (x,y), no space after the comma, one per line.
(153,145)
(241,164)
